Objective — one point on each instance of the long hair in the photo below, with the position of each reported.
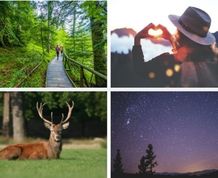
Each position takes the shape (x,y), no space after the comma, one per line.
(198,52)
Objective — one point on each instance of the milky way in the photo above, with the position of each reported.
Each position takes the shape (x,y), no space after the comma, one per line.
(181,126)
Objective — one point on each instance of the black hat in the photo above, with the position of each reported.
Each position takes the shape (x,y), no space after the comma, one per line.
(194,23)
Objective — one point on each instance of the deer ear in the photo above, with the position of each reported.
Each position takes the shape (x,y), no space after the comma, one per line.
(66,125)
(47,125)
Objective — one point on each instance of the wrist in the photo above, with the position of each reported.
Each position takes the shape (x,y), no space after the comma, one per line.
(137,41)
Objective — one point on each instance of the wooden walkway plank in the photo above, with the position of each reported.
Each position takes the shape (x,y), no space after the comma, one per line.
(56,76)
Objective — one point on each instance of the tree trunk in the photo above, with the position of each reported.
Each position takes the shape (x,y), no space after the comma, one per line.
(98,49)
(43,52)
(49,6)
(74,30)
(41,30)
(17,114)
(48,37)
(6,115)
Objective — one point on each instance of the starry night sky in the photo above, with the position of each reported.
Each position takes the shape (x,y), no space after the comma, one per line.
(181,126)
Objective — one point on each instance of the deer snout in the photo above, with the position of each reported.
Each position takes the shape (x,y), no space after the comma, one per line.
(57,138)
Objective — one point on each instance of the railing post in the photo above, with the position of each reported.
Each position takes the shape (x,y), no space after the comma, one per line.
(81,76)
(82,80)
(64,61)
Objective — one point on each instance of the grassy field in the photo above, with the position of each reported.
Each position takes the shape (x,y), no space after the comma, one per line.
(74,163)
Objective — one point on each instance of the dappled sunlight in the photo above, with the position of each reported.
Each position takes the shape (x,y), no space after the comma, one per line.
(151,75)
(137,14)
(169,72)
(177,68)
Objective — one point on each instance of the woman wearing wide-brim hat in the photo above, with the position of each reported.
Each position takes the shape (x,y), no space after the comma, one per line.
(192,62)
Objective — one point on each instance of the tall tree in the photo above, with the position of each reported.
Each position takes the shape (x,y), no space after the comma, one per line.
(6,115)
(49,12)
(147,162)
(17,114)
(34,27)
(117,165)
(150,159)
(49,7)
(142,166)
(16,19)
(97,12)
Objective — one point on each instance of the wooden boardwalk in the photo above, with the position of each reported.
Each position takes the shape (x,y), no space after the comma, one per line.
(56,76)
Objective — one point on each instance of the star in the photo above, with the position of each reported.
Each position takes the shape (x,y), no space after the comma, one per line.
(181,126)
(128,122)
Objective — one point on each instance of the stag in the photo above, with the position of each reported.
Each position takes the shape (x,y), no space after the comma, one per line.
(41,150)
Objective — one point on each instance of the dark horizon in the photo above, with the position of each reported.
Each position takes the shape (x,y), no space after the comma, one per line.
(215,169)
(181,126)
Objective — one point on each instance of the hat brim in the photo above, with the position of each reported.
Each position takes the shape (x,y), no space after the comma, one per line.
(208,40)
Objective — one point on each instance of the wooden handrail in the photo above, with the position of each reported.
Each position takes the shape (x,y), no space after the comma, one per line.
(24,79)
(87,68)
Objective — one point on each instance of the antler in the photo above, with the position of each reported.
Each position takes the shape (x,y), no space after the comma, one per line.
(39,108)
(70,108)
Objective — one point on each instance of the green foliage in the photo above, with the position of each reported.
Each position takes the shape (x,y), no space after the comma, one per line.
(97,12)
(61,37)
(37,26)
(73,163)
(16,20)
(87,105)
(94,105)
(33,47)
(82,44)
(16,64)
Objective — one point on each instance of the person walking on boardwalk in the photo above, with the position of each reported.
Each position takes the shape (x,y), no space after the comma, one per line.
(57,49)
(61,50)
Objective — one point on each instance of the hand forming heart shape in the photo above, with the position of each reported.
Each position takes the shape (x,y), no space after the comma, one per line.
(155,32)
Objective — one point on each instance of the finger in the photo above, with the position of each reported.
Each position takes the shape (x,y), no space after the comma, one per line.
(162,27)
(150,25)
(144,31)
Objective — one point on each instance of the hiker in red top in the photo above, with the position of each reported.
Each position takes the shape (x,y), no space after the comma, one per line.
(57,49)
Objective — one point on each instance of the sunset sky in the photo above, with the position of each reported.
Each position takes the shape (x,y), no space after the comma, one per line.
(137,14)
(182,126)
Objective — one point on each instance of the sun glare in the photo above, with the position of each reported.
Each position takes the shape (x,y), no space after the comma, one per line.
(142,14)
(155,33)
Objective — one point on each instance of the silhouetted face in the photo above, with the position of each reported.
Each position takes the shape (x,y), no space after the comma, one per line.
(183,50)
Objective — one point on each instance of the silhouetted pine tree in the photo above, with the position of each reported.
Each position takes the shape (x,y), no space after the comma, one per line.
(118,166)
(142,166)
(147,162)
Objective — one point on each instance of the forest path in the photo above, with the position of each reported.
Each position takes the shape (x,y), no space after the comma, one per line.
(56,76)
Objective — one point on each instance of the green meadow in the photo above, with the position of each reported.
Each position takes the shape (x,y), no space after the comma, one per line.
(74,163)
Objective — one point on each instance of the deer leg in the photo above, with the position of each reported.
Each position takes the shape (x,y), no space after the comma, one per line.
(36,155)
(10,153)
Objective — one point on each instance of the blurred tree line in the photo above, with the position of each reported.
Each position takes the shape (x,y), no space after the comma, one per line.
(18,110)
